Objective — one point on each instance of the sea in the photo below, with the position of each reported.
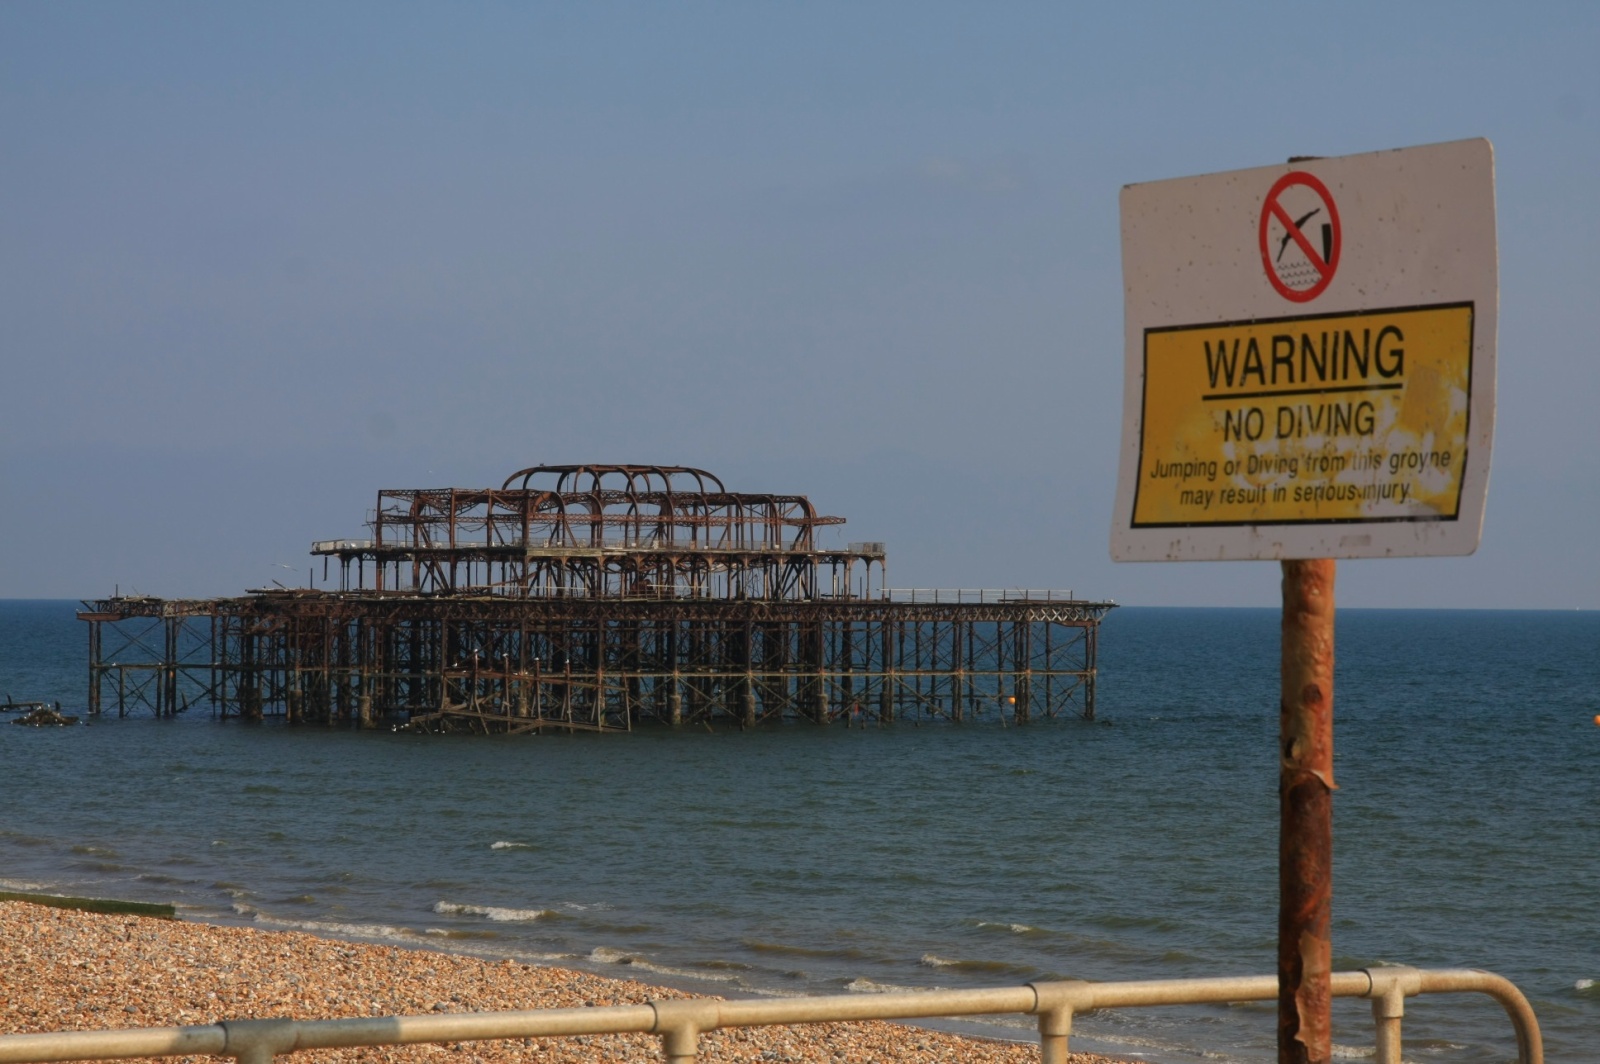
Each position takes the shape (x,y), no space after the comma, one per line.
(799,859)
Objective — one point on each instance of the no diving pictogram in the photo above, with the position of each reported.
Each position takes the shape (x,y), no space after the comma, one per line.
(1300,237)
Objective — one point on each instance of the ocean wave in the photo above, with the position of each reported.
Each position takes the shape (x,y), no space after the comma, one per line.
(682,973)
(1138,1045)
(608,955)
(457,933)
(931,960)
(1014,1023)
(1339,1052)
(612,955)
(1583,984)
(388,932)
(775,992)
(492,912)
(1015,929)
(505,845)
(863,985)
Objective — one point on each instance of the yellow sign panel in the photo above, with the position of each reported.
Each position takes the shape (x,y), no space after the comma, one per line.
(1311,420)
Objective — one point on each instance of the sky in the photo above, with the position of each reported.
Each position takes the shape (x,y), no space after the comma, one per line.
(258,261)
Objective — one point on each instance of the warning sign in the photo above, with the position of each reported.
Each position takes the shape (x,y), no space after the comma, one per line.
(1354,418)
(1309,359)
(1300,237)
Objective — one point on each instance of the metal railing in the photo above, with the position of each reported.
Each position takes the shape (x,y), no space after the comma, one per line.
(976,594)
(679,1023)
(544,545)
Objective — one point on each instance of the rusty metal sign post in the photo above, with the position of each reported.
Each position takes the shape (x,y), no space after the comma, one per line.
(1305,805)
(1310,375)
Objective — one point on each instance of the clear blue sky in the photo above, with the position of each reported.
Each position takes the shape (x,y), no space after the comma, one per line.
(258,261)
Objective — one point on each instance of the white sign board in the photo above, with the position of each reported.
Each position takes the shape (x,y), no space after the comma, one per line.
(1310,360)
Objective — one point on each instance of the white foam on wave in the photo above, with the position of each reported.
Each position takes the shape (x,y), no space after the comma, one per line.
(683,973)
(1134,1045)
(241,909)
(775,992)
(1583,984)
(551,958)
(863,985)
(490,912)
(20,885)
(607,955)
(928,960)
(1339,1052)
(328,927)
(505,845)
(1015,929)
(1015,1023)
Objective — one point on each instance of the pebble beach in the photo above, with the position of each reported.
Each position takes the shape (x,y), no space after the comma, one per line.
(64,970)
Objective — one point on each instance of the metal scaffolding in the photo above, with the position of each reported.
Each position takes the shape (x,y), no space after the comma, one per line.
(600,598)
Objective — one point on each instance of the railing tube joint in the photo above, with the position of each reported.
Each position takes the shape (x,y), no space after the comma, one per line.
(1055,1003)
(258,1041)
(1055,1035)
(1390,986)
(680,1023)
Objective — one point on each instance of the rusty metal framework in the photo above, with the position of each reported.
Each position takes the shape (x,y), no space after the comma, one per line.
(597,597)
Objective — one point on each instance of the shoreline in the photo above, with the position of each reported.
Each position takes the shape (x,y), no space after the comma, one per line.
(67,969)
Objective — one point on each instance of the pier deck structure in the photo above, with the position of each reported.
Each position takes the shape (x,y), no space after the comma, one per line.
(597,597)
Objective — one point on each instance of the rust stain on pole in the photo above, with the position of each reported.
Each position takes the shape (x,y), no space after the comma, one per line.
(1305,793)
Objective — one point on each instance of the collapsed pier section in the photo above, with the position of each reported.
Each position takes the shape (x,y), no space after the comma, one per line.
(602,598)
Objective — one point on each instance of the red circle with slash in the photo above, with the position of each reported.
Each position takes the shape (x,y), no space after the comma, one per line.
(1320,246)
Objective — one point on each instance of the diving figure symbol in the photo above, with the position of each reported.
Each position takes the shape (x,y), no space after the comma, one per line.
(1299,223)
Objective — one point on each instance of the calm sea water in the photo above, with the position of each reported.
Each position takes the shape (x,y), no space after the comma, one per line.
(806,860)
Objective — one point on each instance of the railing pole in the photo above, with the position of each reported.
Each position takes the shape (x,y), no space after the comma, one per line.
(680,1045)
(1055,1030)
(1389,986)
(1387,1010)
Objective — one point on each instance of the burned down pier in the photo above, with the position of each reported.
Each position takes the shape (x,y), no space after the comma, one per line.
(597,597)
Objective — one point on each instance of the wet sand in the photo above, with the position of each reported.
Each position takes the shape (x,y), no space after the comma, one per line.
(61,970)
